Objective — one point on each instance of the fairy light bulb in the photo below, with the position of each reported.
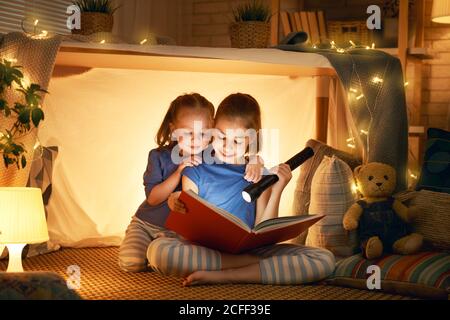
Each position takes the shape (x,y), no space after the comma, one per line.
(373,45)
(36,22)
(340,50)
(143,41)
(353,90)
(11,60)
(364,132)
(360,97)
(377,80)
(103,41)
(352,43)
(355,188)
(406,84)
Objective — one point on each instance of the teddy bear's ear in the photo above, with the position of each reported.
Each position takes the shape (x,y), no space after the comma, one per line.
(357,170)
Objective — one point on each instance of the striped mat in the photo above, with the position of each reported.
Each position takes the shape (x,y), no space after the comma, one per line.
(426,270)
(102,279)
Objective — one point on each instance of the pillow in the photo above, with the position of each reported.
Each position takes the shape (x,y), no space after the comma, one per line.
(425,275)
(435,174)
(37,58)
(303,189)
(433,221)
(41,177)
(331,195)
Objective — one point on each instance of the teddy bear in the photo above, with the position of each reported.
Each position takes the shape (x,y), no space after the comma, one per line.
(382,221)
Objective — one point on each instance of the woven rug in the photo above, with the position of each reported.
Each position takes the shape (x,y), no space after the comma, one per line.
(102,279)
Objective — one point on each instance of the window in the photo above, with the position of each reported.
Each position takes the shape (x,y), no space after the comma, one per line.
(50,13)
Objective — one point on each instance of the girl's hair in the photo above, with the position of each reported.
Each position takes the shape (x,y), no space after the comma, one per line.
(192,101)
(243,107)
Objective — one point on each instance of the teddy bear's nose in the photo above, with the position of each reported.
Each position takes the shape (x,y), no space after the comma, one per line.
(379,184)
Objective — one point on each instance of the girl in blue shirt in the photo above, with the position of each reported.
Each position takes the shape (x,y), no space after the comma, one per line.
(181,140)
(237,124)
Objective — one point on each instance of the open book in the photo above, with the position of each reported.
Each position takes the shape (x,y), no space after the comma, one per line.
(212,227)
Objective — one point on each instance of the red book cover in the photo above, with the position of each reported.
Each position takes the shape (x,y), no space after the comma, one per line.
(212,227)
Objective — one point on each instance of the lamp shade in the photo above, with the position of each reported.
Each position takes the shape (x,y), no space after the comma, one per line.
(22,216)
(440,12)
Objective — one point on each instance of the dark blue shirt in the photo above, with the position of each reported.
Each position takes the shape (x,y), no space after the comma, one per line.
(159,168)
(222,185)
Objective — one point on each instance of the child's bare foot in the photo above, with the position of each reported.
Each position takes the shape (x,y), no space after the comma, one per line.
(206,277)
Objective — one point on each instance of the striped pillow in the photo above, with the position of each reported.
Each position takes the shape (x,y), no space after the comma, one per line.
(426,274)
(331,195)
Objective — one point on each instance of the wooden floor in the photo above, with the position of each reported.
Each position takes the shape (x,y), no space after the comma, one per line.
(102,279)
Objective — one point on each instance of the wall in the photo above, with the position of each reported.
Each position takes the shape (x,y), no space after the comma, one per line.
(436,73)
(210,20)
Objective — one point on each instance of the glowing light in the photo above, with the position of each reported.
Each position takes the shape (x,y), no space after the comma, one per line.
(340,50)
(314,46)
(351,146)
(351,140)
(413,176)
(406,83)
(353,90)
(103,41)
(354,188)
(12,60)
(360,97)
(365,132)
(373,45)
(36,145)
(377,80)
(352,43)
(36,22)
(333,44)
(25,82)
(367,47)
(143,41)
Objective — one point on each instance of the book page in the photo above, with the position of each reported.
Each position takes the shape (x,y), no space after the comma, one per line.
(280,222)
(229,216)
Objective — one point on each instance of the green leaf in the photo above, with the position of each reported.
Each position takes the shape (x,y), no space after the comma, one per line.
(24,116)
(37,115)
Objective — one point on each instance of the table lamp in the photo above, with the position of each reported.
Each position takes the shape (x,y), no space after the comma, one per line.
(440,12)
(22,221)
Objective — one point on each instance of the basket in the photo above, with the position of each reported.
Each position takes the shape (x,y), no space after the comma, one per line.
(344,31)
(93,22)
(249,34)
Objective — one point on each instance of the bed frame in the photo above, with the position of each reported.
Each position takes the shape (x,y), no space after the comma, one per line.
(76,56)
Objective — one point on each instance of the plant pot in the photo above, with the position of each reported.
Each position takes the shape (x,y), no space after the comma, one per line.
(93,22)
(249,34)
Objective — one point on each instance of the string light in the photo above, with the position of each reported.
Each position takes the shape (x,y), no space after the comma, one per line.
(143,41)
(360,97)
(351,146)
(406,84)
(340,50)
(352,43)
(373,45)
(355,187)
(103,41)
(364,132)
(333,44)
(367,47)
(353,90)
(314,46)
(36,22)
(377,80)
(36,145)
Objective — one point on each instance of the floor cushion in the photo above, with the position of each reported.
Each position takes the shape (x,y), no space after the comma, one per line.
(426,274)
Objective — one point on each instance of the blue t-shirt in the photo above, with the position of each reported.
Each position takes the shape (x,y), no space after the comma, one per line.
(159,168)
(222,185)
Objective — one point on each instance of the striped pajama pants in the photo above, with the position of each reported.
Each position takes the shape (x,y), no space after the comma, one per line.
(164,251)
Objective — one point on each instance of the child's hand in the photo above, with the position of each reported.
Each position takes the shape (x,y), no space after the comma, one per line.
(284,173)
(189,162)
(175,204)
(254,169)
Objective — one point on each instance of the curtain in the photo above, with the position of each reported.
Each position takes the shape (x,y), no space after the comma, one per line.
(136,20)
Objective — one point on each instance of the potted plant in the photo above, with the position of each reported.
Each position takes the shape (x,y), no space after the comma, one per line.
(251,27)
(96,16)
(17,119)
(391,10)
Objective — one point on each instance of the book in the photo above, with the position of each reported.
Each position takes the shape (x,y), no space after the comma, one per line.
(215,228)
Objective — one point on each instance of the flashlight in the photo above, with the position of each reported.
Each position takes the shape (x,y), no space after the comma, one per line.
(253,191)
